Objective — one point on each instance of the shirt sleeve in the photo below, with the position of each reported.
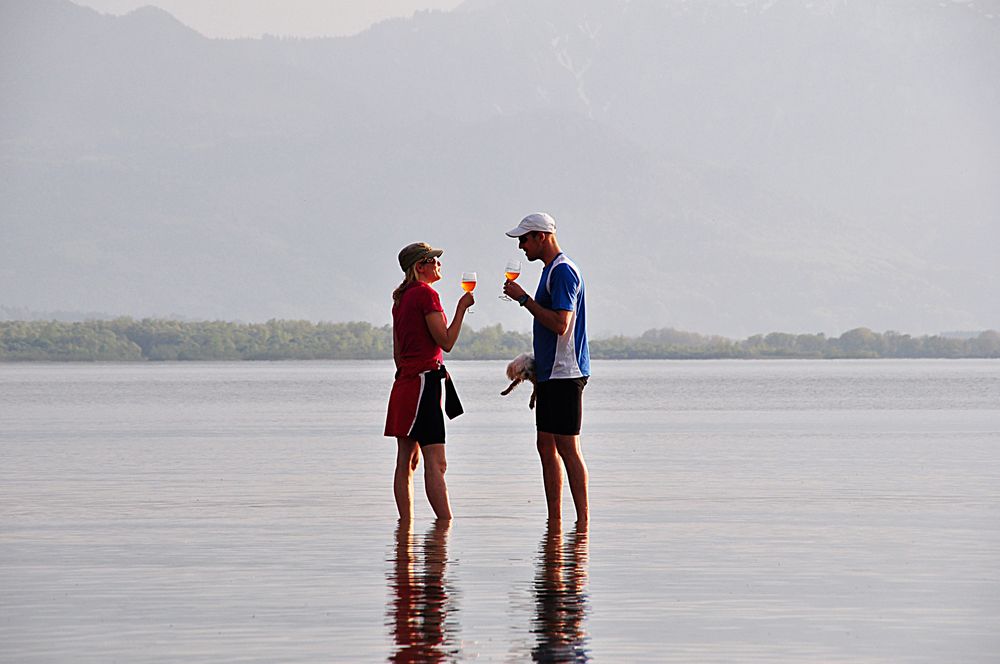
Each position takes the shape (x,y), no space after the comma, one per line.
(429,301)
(564,288)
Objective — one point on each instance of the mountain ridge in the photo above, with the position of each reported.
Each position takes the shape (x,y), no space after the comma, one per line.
(225,178)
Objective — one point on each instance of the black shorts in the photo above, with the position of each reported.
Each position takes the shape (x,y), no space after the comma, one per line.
(559,406)
(437,399)
(428,425)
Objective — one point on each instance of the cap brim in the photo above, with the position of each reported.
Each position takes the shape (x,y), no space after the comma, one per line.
(433,253)
(517,232)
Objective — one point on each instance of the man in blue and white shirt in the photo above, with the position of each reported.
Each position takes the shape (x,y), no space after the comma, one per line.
(562,361)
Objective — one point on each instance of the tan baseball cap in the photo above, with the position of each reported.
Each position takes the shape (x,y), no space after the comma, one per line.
(417,251)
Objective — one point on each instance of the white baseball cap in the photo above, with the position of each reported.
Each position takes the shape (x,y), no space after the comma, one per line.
(539,221)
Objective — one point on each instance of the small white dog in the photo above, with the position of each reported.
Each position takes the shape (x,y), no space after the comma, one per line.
(520,369)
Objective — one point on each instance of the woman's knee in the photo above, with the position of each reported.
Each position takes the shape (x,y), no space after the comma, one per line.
(408,457)
(435,459)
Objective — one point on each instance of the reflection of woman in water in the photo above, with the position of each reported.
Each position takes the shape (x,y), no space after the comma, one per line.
(561,601)
(420,606)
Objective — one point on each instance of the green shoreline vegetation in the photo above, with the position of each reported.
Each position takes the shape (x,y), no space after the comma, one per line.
(129,340)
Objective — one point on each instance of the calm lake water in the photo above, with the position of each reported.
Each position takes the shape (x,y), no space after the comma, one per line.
(758,511)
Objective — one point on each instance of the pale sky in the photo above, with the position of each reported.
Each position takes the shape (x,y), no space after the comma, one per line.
(252,18)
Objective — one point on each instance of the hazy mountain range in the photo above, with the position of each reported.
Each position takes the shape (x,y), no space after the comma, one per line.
(725,166)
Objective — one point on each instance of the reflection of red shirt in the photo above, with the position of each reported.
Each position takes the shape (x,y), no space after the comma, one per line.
(416,348)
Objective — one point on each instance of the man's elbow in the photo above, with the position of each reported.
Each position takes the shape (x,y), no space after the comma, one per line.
(558,328)
(561,325)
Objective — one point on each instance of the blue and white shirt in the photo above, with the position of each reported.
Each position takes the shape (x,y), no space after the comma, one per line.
(568,355)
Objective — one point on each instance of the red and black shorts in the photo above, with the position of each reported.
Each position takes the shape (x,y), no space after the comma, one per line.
(417,407)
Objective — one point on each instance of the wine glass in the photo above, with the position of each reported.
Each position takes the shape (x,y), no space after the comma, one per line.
(512,272)
(469,285)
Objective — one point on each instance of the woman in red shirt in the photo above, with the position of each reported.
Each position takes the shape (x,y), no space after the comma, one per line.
(420,337)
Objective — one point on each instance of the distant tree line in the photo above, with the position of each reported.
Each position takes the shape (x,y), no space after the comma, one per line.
(859,343)
(125,339)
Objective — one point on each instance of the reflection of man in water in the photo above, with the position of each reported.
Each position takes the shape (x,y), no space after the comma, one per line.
(420,605)
(561,602)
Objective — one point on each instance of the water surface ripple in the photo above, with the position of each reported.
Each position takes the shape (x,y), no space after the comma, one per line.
(747,511)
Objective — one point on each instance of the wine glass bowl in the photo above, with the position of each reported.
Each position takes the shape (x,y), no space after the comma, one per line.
(469,285)
(512,271)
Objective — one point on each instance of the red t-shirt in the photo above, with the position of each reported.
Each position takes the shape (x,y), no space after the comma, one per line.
(417,350)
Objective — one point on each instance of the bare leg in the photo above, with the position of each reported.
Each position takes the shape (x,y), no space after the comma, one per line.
(552,475)
(576,470)
(435,465)
(407,458)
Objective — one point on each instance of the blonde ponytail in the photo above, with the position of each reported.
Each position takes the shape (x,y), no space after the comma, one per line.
(411,276)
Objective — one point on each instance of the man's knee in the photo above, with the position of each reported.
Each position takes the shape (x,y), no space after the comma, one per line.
(567,445)
(546,445)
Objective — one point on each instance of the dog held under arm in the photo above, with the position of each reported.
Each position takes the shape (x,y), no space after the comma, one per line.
(520,369)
